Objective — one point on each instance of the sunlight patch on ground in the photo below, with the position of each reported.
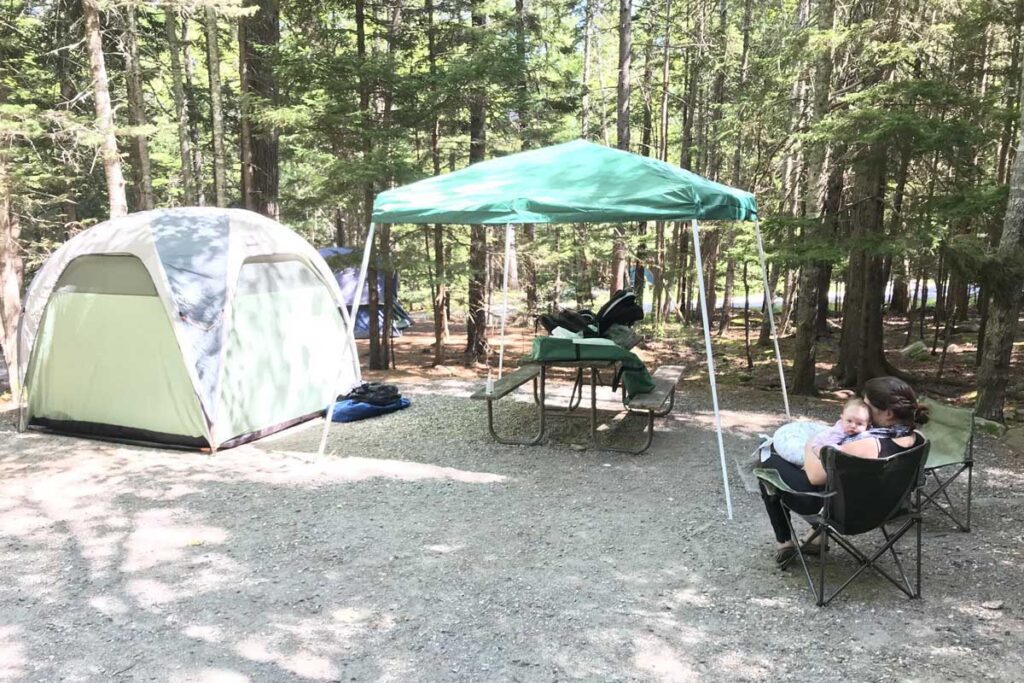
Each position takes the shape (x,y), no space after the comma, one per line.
(443,549)
(12,654)
(150,593)
(950,651)
(209,676)
(1000,478)
(209,634)
(22,522)
(335,469)
(774,603)
(746,423)
(305,647)
(158,539)
(691,597)
(743,666)
(979,612)
(172,492)
(660,661)
(109,605)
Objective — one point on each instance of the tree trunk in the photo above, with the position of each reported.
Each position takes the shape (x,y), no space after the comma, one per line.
(824,281)
(245,121)
(862,354)
(746,318)
(141,170)
(817,206)
(440,291)
(11,266)
(193,112)
(730,278)
(623,90)
(584,282)
(709,250)
(744,67)
(104,114)
(386,259)
(476,327)
(588,23)
(1005,306)
(663,111)
(216,108)
(1011,92)
(181,105)
(262,35)
(69,12)
(718,95)
(623,94)
(764,336)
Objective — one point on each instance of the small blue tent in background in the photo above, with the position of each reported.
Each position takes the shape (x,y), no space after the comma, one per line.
(348,280)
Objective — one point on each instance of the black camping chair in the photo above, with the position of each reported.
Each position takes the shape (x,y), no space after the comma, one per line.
(863,495)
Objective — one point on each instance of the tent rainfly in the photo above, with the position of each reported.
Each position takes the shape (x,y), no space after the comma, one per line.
(575,182)
(194,327)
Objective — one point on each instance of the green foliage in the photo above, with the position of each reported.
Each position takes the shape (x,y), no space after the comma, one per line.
(930,84)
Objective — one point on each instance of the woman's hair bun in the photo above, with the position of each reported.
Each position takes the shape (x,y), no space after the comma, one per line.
(921,414)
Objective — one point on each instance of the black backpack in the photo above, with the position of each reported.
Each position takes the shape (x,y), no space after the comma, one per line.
(574,321)
(374,393)
(621,309)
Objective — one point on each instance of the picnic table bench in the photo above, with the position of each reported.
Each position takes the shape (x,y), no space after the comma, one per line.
(505,386)
(656,403)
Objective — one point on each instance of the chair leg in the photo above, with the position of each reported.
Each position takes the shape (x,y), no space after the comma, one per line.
(949,509)
(799,554)
(917,515)
(896,560)
(822,561)
(970,484)
(865,561)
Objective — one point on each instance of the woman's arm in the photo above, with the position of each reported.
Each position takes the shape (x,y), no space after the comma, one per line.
(862,448)
(812,464)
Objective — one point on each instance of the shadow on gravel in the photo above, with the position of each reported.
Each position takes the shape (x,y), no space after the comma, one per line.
(421,550)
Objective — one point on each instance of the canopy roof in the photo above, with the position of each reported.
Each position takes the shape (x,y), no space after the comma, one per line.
(575,182)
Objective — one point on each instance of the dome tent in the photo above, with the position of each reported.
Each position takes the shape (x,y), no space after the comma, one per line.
(197,327)
(348,281)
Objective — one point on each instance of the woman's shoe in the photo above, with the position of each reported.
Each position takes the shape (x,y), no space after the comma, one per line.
(810,548)
(784,554)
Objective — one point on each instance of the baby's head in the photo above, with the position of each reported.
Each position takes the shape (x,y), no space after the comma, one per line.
(855,417)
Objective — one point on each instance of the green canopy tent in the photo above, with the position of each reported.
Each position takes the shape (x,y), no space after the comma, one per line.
(574,182)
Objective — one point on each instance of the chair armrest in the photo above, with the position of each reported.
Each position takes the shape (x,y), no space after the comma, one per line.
(771,476)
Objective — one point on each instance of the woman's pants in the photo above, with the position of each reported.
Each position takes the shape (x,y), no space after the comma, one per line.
(796,479)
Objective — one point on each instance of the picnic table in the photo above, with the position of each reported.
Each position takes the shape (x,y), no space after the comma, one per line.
(655,403)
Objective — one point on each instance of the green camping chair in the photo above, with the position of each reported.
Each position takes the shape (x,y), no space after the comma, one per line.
(862,495)
(951,433)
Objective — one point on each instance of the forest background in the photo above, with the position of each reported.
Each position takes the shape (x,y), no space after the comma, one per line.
(880,137)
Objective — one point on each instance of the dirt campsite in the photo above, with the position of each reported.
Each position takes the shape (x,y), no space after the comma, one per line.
(416,548)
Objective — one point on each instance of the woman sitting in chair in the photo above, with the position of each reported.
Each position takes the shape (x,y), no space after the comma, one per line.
(894,412)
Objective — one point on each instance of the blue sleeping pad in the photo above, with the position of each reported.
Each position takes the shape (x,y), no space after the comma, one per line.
(350,411)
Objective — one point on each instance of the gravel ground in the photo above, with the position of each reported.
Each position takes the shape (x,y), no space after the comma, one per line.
(420,550)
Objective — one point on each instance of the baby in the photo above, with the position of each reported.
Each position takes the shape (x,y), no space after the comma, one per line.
(790,439)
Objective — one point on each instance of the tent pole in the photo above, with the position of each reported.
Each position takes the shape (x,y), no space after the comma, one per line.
(711,363)
(504,297)
(329,415)
(769,299)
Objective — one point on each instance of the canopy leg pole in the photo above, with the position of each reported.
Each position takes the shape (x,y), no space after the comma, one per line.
(769,298)
(329,416)
(711,364)
(504,297)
